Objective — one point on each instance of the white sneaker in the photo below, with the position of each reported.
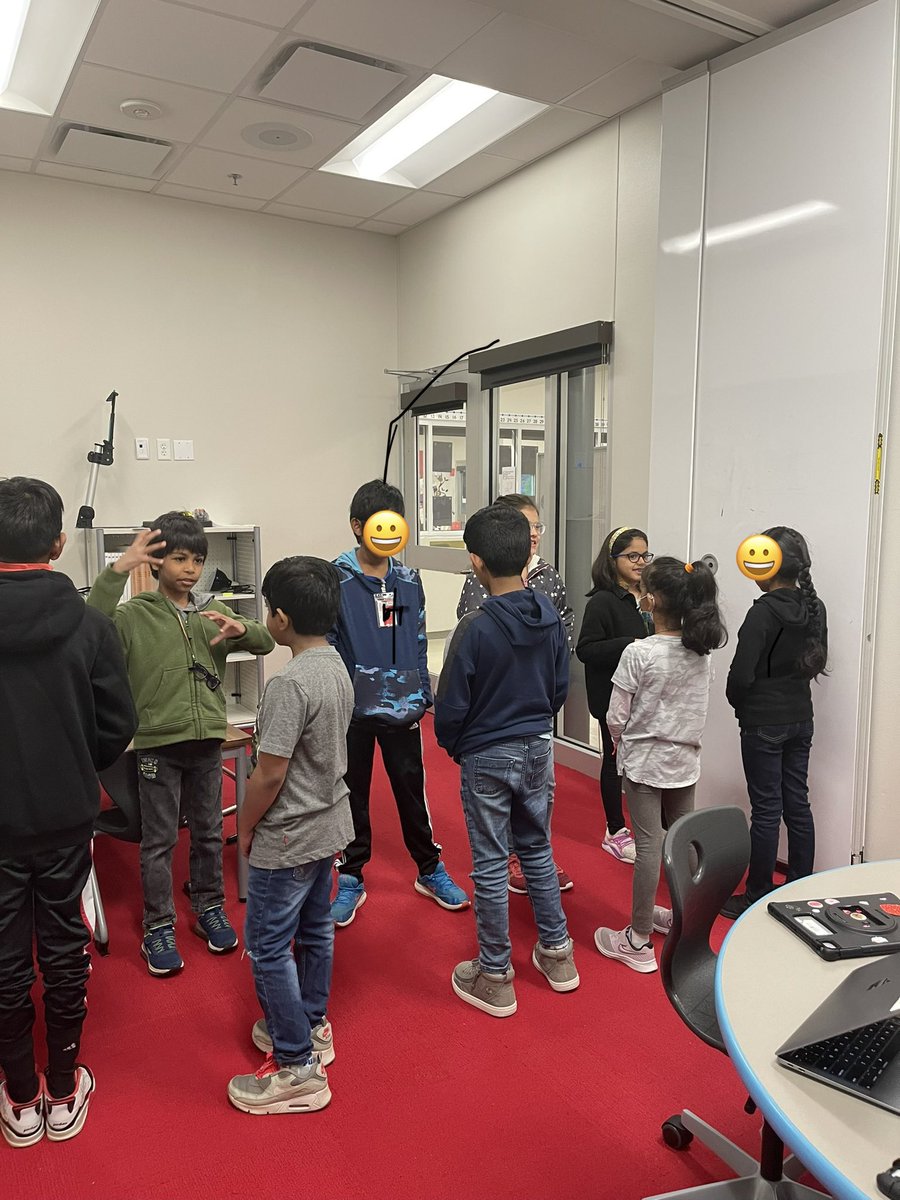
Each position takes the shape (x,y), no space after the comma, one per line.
(322,1040)
(274,1089)
(620,845)
(21,1124)
(618,945)
(67,1114)
(662,919)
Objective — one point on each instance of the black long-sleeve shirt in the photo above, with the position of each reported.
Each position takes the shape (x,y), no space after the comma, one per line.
(612,621)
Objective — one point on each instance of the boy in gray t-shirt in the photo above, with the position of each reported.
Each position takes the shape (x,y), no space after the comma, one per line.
(295,818)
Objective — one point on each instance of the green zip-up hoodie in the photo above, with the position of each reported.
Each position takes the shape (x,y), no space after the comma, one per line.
(172,704)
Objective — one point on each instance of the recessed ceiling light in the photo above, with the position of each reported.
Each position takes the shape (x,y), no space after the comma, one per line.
(141,110)
(40,41)
(438,125)
(12,22)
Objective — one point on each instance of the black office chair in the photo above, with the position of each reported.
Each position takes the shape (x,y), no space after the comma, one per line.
(123,821)
(705,855)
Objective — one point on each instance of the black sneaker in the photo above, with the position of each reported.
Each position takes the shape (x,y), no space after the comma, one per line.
(736,906)
(160,951)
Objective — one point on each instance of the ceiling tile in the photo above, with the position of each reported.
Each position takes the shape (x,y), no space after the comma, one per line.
(264,12)
(407,31)
(383,227)
(340,194)
(211,169)
(206,197)
(14,164)
(418,207)
(85,175)
(21,133)
(475,173)
(622,88)
(316,215)
(547,132)
(331,83)
(528,59)
(318,137)
(176,43)
(112,152)
(96,93)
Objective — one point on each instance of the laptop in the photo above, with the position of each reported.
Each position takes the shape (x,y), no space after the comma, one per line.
(852,1040)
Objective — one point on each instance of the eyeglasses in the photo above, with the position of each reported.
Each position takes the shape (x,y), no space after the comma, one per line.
(200,672)
(538,527)
(634,557)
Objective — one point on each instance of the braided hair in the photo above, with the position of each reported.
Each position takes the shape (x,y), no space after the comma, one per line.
(688,592)
(795,568)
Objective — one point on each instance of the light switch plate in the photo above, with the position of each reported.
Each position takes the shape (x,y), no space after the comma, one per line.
(183,449)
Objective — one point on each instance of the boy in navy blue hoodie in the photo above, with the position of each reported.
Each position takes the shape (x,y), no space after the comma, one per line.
(506,674)
(380,635)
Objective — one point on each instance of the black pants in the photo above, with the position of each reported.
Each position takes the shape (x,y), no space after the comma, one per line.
(40,900)
(401,753)
(610,782)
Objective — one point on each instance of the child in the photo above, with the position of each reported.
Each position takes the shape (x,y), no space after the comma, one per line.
(65,714)
(380,635)
(505,676)
(656,716)
(544,578)
(611,622)
(295,817)
(176,644)
(782,645)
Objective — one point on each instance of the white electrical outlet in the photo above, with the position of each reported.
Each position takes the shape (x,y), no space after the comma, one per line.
(184,450)
(164,449)
(142,448)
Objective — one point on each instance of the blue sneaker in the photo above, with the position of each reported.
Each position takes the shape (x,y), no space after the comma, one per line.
(215,928)
(439,887)
(351,896)
(160,951)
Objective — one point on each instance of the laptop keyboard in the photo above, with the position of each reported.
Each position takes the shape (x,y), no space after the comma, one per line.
(859,1057)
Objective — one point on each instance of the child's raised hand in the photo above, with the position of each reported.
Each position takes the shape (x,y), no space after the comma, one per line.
(228,626)
(146,548)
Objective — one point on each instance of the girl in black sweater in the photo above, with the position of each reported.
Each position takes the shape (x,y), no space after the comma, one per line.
(612,621)
(782,646)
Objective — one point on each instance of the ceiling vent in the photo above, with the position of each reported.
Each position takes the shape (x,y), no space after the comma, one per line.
(325,79)
(104,150)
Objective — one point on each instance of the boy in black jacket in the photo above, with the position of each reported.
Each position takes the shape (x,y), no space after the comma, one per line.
(65,714)
(506,674)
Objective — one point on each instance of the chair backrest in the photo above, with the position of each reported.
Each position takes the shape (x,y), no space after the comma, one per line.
(120,782)
(705,855)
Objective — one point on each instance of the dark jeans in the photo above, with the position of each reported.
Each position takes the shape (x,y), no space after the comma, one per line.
(186,777)
(776,759)
(40,899)
(401,753)
(610,782)
(285,906)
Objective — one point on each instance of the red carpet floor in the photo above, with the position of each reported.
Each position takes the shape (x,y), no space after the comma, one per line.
(431,1098)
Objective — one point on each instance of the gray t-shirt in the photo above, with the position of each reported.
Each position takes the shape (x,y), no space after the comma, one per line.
(304,715)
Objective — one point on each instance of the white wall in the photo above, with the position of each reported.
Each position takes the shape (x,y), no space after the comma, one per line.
(262,339)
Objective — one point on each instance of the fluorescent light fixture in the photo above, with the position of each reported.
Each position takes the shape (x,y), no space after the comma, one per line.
(40,41)
(438,125)
(737,231)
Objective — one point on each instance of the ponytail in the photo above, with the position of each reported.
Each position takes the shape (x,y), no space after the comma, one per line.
(690,594)
(795,568)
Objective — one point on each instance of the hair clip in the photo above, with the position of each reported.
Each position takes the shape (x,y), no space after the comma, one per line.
(689,567)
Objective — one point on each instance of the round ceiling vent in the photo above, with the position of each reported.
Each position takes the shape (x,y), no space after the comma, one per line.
(140,110)
(276,137)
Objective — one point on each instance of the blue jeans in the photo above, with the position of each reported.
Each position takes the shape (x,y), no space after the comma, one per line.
(776,759)
(506,800)
(291,905)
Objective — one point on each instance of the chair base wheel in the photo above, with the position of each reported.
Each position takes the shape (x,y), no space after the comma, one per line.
(675,1134)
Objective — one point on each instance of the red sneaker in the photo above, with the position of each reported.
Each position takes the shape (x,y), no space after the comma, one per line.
(516,878)
(565,882)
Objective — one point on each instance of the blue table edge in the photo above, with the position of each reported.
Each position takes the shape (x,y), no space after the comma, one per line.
(814,1160)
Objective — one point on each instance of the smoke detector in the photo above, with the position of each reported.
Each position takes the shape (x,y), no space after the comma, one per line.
(140,110)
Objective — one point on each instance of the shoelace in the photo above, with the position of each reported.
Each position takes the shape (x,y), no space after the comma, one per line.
(162,940)
(215,918)
(269,1067)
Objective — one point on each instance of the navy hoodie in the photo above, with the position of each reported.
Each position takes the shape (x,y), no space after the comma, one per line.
(506,673)
(764,684)
(388,665)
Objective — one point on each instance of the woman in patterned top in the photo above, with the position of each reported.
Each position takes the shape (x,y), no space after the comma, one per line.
(541,576)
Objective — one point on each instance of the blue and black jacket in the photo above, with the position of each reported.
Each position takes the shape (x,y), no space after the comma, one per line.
(388,666)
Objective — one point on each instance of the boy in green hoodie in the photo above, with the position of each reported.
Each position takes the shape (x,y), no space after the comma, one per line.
(176,644)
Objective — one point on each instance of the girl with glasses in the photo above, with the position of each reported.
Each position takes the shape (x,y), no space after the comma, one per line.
(611,622)
(541,576)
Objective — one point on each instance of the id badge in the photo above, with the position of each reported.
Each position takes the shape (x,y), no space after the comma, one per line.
(384,609)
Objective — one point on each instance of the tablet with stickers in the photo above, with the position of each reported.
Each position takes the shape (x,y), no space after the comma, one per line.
(844,927)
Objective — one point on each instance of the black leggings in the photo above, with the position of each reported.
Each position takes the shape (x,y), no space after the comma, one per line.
(610,782)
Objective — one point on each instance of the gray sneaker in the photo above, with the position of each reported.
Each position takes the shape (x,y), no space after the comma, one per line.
(557,966)
(493,994)
(322,1040)
(274,1089)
